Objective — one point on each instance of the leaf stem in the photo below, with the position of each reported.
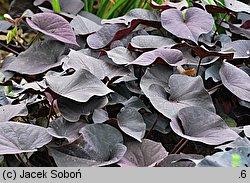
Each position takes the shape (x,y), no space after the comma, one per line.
(38,35)
(215,87)
(27,159)
(21,160)
(9,49)
(177,146)
(51,110)
(182,146)
(86,8)
(198,67)
(20,44)
(48,157)
(151,129)
(219,25)
(26,42)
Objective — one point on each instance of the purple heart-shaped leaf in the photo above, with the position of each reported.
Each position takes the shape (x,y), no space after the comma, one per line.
(100,145)
(72,110)
(131,122)
(17,137)
(236,80)
(144,154)
(120,55)
(80,86)
(196,22)
(172,57)
(150,42)
(84,26)
(9,111)
(99,68)
(184,91)
(38,58)
(60,128)
(241,48)
(198,124)
(53,25)
(111,32)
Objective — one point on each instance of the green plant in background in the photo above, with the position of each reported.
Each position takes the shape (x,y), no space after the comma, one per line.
(114,8)
(236,160)
(56,6)
(12,34)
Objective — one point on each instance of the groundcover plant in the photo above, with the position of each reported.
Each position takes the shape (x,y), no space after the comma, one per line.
(163,87)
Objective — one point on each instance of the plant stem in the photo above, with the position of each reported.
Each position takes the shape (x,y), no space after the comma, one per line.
(198,67)
(181,147)
(9,49)
(48,157)
(21,160)
(219,25)
(91,4)
(26,42)
(177,146)
(86,8)
(27,159)
(20,44)
(151,129)
(215,87)
(114,8)
(38,35)
(51,110)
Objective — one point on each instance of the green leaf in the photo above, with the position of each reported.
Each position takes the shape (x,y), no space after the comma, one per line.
(14,31)
(236,160)
(210,2)
(9,37)
(56,6)
(91,4)
(114,8)
(86,7)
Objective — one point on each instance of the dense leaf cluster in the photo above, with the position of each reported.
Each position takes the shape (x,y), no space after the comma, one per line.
(124,91)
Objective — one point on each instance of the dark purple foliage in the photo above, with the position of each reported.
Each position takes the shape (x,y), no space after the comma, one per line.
(103,148)
(87,92)
(17,138)
(171,57)
(84,26)
(119,29)
(67,6)
(224,159)
(33,62)
(236,80)
(189,25)
(197,124)
(145,154)
(72,110)
(7,112)
(150,42)
(80,86)
(131,122)
(53,25)
(63,129)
